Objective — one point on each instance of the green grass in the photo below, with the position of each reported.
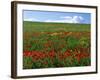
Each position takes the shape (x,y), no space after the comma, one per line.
(54,27)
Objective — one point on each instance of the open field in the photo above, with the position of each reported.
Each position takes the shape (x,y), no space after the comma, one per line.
(54,27)
(55,45)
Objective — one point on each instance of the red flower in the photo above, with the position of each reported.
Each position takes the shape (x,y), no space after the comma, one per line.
(51,54)
(67,53)
(81,55)
(27,53)
(36,55)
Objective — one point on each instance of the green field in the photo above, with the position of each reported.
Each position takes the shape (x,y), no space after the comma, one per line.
(48,45)
(53,27)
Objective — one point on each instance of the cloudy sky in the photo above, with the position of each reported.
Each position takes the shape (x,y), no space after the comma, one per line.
(63,17)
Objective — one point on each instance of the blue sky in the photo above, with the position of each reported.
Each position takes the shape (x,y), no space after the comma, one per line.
(63,17)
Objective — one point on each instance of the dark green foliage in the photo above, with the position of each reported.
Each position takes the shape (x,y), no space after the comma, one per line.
(27,62)
(85,61)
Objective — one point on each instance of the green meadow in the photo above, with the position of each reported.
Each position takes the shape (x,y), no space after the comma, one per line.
(54,27)
(55,45)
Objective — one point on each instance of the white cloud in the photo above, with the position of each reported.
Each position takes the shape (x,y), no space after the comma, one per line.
(68,19)
(81,18)
(31,19)
(76,19)
(63,21)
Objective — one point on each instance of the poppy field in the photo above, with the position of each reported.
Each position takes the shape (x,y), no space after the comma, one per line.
(53,45)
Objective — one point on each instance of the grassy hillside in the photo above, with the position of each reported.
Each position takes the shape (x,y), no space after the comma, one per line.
(53,27)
